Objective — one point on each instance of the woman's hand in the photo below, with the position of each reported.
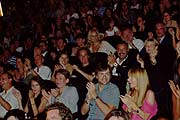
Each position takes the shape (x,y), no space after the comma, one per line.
(47,95)
(175,89)
(127,99)
(31,94)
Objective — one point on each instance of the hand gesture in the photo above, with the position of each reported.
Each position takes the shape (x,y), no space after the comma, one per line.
(27,65)
(31,94)
(47,95)
(171,31)
(140,61)
(127,99)
(91,90)
(150,35)
(175,89)
(55,92)
(57,67)
(111,59)
(75,67)
(17,94)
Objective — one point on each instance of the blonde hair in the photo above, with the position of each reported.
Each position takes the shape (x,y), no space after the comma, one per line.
(141,76)
(90,35)
(151,40)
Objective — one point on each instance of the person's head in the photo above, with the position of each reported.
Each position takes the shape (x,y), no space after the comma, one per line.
(151,45)
(2,67)
(58,111)
(15,114)
(138,81)
(127,34)
(103,73)
(108,12)
(36,84)
(64,58)
(61,43)
(61,78)
(6,80)
(116,115)
(84,55)
(43,46)
(160,29)
(166,16)
(122,50)
(93,36)
(20,62)
(39,60)
(80,40)
(140,20)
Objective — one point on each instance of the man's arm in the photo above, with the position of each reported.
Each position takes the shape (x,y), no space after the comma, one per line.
(5,104)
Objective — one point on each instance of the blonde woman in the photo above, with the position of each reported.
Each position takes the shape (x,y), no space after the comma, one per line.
(140,100)
(98,45)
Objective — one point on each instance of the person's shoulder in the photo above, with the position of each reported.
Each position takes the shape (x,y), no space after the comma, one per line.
(150,97)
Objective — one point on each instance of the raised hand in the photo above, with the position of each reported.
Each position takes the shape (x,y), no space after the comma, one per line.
(91,90)
(175,89)
(17,94)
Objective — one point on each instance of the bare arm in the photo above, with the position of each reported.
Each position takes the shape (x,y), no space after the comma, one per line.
(5,104)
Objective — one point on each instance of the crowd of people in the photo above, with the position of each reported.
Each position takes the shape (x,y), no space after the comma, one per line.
(90,59)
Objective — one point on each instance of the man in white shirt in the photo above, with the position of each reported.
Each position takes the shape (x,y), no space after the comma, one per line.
(7,99)
(43,71)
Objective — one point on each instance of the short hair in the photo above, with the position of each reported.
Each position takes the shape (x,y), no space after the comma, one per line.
(122,42)
(64,111)
(17,113)
(102,67)
(63,72)
(84,48)
(117,113)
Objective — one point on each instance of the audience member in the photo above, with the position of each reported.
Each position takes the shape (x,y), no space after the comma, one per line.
(58,111)
(140,100)
(101,97)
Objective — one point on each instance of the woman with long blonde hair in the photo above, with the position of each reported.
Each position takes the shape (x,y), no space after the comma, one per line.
(140,100)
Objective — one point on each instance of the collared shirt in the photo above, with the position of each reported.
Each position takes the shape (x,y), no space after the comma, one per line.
(138,43)
(161,39)
(44,72)
(118,62)
(69,97)
(11,99)
(109,95)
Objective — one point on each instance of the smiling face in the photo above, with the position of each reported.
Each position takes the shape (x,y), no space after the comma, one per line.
(150,47)
(35,86)
(103,76)
(61,80)
(122,50)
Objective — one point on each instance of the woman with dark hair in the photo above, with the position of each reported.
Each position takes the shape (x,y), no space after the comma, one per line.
(36,103)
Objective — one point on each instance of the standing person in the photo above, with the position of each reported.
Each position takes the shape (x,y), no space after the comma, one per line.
(140,100)
(101,97)
(7,99)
